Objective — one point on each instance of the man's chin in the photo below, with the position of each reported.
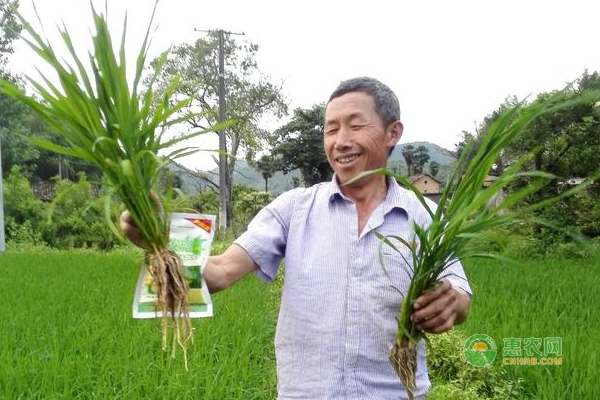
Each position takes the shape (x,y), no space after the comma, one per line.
(348,179)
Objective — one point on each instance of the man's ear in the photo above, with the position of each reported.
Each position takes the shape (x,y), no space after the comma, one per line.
(395,132)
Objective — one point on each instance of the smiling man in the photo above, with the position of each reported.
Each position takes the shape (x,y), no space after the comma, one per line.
(337,317)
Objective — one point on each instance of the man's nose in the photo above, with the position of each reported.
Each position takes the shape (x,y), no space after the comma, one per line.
(343,138)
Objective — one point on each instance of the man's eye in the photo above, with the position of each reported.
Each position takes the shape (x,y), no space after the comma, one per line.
(356,127)
(331,131)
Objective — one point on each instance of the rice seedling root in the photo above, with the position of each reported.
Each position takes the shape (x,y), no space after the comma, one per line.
(403,357)
(171,287)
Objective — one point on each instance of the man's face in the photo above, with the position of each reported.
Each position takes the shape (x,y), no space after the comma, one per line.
(355,137)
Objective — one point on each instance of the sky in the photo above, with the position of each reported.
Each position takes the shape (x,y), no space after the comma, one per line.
(450,62)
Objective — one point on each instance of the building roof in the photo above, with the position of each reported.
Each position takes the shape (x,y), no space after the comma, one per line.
(415,178)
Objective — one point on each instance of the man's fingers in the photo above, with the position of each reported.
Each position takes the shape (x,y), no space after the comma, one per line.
(126,218)
(434,310)
(440,305)
(130,231)
(440,326)
(431,294)
(438,316)
(128,227)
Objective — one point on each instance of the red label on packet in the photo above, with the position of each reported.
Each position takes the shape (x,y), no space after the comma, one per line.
(205,224)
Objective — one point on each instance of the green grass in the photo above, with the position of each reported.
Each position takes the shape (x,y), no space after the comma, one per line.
(67,333)
(542,298)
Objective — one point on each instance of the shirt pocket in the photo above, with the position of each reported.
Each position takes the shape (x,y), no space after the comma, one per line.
(396,265)
(391,281)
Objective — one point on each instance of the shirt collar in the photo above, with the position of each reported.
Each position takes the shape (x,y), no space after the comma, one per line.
(334,189)
(396,197)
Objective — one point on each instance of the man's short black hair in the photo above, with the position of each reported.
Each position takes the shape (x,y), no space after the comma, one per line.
(386,103)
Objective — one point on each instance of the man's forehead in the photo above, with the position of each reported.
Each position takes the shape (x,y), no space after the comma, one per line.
(355,114)
(349,105)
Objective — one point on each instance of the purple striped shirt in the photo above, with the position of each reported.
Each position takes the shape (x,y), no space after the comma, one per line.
(337,317)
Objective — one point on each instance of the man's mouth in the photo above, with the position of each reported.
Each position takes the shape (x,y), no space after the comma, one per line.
(347,159)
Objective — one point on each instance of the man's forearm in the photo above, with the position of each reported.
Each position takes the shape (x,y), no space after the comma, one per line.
(214,275)
(224,270)
(463,305)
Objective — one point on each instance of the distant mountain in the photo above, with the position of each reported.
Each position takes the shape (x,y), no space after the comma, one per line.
(247,175)
(442,156)
(244,174)
(436,153)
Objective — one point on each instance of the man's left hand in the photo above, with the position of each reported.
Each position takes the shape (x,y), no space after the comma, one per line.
(438,309)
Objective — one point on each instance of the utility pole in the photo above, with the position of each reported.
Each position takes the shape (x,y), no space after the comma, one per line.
(223,182)
(223,188)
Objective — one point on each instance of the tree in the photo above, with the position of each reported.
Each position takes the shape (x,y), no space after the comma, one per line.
(566,143)
(420,158)
(299,145)
(434,168)
(11,111)
(473,140)
(462,145)
(9,29)
(248,94)
(408,152)
(18,123)
(16,149)
(266,166)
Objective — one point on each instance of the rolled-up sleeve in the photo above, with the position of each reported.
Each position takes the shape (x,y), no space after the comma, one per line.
(266,236)
(455,274)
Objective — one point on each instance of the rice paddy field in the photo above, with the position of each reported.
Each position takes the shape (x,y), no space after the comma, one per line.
(67,333)
(539,299)
(66,330)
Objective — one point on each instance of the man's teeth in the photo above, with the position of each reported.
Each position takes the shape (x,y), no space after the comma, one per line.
(346,160)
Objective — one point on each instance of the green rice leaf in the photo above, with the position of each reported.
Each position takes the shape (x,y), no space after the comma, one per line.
(467,214)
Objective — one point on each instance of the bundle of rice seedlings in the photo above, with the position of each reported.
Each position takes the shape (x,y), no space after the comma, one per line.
(120,130)
(468,215)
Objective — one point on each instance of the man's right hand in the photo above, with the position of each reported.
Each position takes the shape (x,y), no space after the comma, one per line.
(220,271)
(130,231)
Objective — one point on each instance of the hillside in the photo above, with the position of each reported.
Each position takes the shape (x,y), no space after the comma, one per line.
(436,153)
(247,175)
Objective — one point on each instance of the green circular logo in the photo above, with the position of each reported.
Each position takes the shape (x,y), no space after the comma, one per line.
(480,350)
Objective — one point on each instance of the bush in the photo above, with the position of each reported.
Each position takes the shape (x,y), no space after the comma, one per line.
(247,202)
(77,219)
(580,211)
(204,202)
(23,212)
(453,378)
(526,239)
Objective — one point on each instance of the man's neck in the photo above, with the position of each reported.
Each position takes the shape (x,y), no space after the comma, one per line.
(369,192)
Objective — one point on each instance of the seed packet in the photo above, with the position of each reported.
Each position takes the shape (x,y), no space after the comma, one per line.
(191,238)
